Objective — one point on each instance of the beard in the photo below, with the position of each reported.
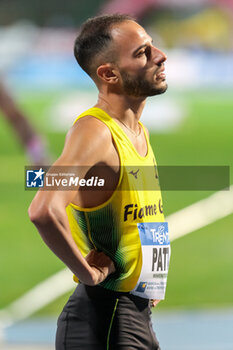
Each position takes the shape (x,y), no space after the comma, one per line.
(139,86)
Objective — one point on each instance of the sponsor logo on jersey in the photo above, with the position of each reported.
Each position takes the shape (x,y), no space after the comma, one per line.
(141,287)
(134,173)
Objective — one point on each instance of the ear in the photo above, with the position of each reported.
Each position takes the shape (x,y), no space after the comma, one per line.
(107,73)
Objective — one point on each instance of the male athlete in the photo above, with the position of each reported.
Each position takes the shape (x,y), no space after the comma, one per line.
(115,241)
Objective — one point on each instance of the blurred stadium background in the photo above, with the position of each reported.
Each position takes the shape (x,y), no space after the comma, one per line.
(192,124)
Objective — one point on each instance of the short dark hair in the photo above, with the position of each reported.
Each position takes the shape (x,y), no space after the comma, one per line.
(94,38)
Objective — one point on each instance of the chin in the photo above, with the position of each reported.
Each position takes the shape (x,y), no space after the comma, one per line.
(163,86)
(160,89)
(162,83)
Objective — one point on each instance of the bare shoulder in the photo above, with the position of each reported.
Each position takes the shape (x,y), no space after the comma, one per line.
(91,121)
(92,126)
(89,140)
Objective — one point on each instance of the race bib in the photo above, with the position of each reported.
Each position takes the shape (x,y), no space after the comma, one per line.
(155,260)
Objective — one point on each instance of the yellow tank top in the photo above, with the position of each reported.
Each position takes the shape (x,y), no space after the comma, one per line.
(112,227)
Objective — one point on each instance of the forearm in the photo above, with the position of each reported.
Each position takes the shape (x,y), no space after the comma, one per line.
(54,230)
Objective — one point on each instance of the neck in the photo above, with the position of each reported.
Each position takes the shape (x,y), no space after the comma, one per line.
(127,109)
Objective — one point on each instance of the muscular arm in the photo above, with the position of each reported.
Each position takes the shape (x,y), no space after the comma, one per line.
(84,145)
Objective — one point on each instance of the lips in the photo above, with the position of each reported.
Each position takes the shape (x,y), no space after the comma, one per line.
(160,70)
(159,74)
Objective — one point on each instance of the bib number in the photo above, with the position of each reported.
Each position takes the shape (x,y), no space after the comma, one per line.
(155,260)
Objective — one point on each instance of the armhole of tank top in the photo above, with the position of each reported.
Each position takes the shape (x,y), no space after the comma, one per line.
(121,171)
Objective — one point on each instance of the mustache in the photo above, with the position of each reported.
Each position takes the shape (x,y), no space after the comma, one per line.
(160,69)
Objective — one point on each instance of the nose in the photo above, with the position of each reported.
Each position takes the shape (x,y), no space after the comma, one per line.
(158,56)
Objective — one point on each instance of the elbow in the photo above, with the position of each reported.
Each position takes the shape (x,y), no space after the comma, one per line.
(39,215)
(33,214)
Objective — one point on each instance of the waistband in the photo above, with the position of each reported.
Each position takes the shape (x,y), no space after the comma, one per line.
(98,292)
(95,291)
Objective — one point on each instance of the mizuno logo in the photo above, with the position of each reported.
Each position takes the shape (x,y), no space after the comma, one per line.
(134,173)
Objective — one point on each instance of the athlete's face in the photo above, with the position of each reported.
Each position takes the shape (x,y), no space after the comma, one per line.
(140,63)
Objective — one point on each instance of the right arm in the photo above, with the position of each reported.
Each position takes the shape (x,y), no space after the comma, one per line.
(84,145)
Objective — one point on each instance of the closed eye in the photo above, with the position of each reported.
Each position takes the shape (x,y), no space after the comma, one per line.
(146,51)
(143,49)
(141,53)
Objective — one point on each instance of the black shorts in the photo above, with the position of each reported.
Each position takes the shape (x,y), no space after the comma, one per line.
(95,318)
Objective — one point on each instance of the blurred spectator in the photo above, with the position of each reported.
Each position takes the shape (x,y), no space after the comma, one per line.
(30,139)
